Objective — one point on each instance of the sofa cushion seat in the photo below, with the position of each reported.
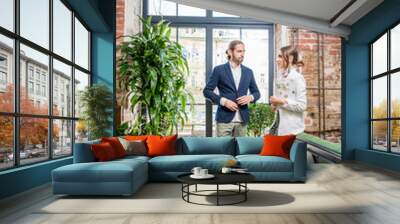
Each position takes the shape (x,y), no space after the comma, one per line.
(257,163)
(184,163)
(112,171)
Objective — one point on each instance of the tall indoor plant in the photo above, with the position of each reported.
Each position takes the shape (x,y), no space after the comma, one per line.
(152,74)
(261,118)
(96,104)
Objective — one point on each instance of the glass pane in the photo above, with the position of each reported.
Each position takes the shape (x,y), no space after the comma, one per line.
(184,10)
(173,34)
(221,39)
(395,94)
(379,135)
(35,21)
(81,131)
(6,142)
(194,42)
(34,72)
(81,45)
(220,14)
(62,89)
(6,74)
(256,58)
(62,29)
(395,47)
(214,126)
(62,138)
(379,55)
(196,126)
(7,14)
(33,139)
(395,135)
(332,117)
(162,7)
(312,119)
(379,98)
(81,81)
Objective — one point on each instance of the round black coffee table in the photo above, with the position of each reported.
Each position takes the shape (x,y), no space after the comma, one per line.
(238,179)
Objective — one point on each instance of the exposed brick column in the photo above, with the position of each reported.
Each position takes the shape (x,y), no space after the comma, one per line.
(120,5)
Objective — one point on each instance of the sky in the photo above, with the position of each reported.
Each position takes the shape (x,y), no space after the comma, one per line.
(35,27)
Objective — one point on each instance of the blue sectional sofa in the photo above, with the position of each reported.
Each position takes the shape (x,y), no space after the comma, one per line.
(125,176)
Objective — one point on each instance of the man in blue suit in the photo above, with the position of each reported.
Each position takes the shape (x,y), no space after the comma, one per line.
(234,81)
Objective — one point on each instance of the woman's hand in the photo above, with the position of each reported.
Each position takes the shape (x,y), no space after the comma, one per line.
(276,101)
(273,108)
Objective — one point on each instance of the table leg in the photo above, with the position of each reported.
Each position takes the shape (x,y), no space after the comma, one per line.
(245,193)
(196,188)
(217,194)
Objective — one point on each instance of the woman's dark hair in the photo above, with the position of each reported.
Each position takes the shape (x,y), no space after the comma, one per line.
(232,46)
(291,56)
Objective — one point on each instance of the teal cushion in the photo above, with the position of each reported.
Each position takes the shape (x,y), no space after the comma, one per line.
(207,145)
(249,145)
(83,152)
(111,171)
(185,163)
(257,163)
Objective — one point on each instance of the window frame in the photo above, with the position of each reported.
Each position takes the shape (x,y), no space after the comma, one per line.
(388,74)
(15,71)
(209,22)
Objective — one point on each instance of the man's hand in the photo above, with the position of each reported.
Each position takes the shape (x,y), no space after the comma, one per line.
(231,105)
(277,101)
(244,100)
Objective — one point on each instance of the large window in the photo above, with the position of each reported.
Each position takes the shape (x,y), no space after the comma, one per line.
(205,36)
(385,96)
(40,80)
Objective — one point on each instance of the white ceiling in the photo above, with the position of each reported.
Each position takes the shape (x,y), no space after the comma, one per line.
(310,14)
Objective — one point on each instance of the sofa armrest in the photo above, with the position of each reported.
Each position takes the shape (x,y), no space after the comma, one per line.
(298,155)
(83,152)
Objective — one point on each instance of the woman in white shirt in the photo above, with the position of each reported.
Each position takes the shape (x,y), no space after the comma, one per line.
(290,99)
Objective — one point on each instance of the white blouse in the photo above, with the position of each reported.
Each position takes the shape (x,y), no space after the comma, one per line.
(291,87)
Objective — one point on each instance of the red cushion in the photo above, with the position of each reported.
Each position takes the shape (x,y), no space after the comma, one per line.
(103,151)
(277,145)
(161,145)
(116,145)
(136,137)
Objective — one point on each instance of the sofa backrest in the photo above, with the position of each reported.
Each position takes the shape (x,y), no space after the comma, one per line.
(249,145)
(83,152)
(206,145)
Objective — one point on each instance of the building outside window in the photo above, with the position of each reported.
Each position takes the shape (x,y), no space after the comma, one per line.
(34,74)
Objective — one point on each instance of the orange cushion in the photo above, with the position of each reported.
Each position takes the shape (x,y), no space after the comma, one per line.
(103,152)
(116,145)
(277,145)
(161,145)
(136,137)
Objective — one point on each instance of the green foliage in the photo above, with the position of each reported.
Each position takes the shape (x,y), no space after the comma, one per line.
(96,104)
(261,117)
(153,75)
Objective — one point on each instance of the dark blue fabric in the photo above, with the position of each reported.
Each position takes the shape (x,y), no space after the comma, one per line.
(257,163)
(83,153)
(185,163)
(222,78)
(207,145)
(249,145)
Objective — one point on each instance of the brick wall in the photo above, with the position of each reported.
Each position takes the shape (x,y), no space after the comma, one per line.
(321,54)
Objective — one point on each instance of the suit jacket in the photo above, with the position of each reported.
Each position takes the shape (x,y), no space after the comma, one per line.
(222,78)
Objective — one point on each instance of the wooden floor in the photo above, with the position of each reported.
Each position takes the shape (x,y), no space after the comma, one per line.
(377,188)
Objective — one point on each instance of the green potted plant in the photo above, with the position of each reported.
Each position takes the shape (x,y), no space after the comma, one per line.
(96,104)
(152,75)
(261,117)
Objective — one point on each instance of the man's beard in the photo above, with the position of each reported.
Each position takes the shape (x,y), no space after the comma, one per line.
(238,60)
